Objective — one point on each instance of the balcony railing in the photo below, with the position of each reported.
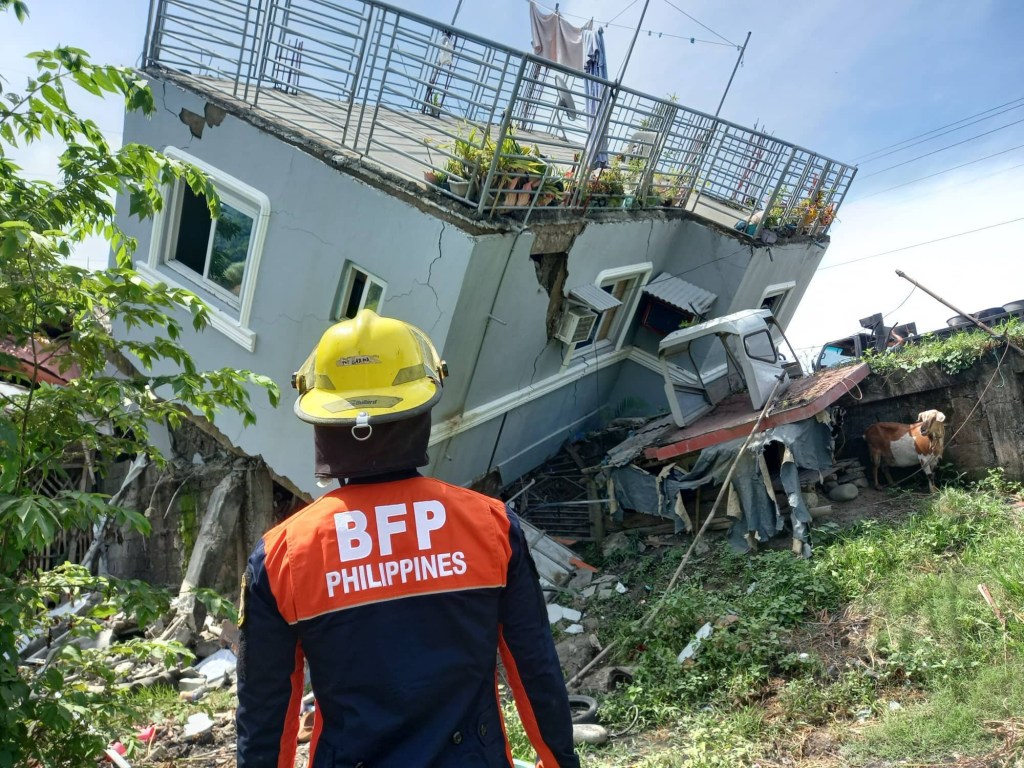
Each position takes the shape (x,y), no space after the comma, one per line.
(494,128)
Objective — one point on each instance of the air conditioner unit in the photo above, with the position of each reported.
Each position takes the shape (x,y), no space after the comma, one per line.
(576,325)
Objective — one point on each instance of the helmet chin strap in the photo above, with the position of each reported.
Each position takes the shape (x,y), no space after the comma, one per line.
(362,422)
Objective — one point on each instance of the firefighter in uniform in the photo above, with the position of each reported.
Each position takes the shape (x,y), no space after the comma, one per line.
(396,589)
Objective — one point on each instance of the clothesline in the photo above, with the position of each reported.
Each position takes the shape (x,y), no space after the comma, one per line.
(650,32)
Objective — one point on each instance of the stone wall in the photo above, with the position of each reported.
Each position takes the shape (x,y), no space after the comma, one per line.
(175,497)
(990,436)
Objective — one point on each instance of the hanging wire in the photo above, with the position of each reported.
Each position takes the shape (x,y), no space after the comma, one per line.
(701,24)
(625,26)
(613,18)
(943,149)
(945,170)
(918,245)
(1016,101)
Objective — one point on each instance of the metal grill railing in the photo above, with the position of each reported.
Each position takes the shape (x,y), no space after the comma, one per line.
(497,129)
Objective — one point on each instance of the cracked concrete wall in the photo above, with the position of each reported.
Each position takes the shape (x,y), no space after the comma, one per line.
(510,351)
(319,219)
(477,296)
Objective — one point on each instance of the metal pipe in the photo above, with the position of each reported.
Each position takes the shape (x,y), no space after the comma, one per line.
(737,66)
(972,318)
(455,15)
(771,201)
(245,34)
(693,545)
(502,132)
(357,72)
(711,165)
(629,51)
(149,32)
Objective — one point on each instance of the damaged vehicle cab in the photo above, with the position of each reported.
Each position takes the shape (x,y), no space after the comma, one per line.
(705,363)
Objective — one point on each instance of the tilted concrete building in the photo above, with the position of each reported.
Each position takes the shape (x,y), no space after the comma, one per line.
(545,227)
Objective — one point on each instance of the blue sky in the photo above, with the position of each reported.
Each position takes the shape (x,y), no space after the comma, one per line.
(841,78)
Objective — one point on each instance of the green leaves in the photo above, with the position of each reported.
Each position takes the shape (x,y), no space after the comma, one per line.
(60,317)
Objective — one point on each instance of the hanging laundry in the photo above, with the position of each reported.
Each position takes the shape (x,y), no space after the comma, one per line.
(596,64)
(556,39)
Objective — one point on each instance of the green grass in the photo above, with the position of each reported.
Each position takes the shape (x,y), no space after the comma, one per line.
(930,642)
(953,718)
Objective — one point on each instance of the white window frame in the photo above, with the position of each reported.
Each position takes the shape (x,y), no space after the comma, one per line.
(778,289)
(626,312)
(160,265)
(347,283)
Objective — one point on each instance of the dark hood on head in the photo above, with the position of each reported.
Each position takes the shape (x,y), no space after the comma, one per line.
(391,446)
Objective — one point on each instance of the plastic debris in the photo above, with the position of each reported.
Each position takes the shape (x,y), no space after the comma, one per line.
(574,629)
(116,757)
(218,666)
(621,588)
(147,734)
(690,650)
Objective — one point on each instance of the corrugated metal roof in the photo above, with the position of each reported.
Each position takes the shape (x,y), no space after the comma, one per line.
(679,293)
(596,298)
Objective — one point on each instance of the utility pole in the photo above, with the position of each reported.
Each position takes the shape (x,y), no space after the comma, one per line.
(707,144)
(728,85)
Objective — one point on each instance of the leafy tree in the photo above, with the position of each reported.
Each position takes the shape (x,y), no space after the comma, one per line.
(60,713)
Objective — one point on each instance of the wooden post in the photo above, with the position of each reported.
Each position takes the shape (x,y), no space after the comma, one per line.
(596,512)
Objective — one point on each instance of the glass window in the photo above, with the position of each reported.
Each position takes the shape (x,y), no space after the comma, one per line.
(833,355)
(360,290)
(774,302)
(759,346)
(214,249)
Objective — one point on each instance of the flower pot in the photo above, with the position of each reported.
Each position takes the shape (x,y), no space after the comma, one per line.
(429,179)
(459,188)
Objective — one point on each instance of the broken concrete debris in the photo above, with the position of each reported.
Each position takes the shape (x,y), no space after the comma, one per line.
(589,733)
(197,725)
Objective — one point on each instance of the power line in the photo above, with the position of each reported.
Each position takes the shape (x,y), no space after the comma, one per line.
(937,135)
(943,149)
(891,311)
(700,24)
(650,32)
(939,173)
(941,127)
(926,242)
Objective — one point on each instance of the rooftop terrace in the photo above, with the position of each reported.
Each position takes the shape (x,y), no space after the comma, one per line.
(494,129)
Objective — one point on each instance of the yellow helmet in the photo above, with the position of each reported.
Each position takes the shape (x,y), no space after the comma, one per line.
(369,370)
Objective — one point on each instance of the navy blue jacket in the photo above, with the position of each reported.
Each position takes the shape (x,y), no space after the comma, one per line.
(400,595)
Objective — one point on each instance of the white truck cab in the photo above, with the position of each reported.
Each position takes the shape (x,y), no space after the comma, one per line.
(751,362)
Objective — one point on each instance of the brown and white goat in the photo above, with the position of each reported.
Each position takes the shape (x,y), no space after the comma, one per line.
(906,445)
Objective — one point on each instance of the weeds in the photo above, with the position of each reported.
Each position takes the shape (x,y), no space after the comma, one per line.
(956,353)
(930,641)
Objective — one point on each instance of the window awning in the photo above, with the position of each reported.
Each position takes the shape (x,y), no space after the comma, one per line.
(680,294)
(595,298)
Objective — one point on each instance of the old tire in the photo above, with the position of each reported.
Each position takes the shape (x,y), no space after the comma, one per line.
(583,709)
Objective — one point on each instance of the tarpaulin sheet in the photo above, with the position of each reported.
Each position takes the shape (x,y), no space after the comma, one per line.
(806,444)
